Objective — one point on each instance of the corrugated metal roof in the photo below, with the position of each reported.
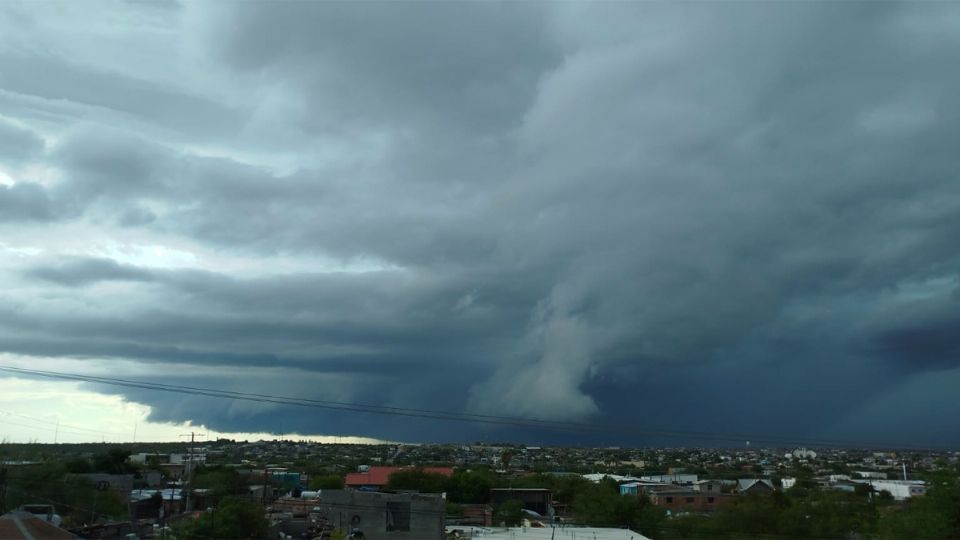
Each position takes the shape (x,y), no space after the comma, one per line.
(548,533)
(26,526)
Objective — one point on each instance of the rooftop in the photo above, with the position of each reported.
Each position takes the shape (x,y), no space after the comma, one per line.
(26,526)
(546,533)
(378,476)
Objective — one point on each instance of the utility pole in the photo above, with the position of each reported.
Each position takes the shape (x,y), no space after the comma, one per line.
(3,490)
(263,492)
(56,432)
(190,467)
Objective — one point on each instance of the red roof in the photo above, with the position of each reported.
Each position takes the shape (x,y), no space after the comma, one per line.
(378,476)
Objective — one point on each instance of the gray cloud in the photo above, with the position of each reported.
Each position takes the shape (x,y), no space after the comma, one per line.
(88,270)
(24,201)
(17,143)
(523,209)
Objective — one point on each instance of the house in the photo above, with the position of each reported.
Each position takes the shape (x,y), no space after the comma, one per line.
(121,484)
(636,488)
(260,493)
(23,525)
(560,532)
(537,500)
(675,478)
(756,486)
(143,503)
(384,516)
(376,478)
(900,489)
(597,477)
(173,471)
(480,515)
(708,486)
(147,458)
(150,478)
(689,500)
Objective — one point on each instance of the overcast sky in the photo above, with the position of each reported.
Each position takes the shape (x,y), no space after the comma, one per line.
(717,217)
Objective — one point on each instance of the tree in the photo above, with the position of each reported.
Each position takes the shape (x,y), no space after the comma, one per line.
(235,519)
(417,480)
(935,515)
(601,505)
(114,461)
(222,481)
(76,499)
(469,487)
(326,481)
(509,512)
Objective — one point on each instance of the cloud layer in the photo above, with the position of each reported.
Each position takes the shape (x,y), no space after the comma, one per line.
(733,217)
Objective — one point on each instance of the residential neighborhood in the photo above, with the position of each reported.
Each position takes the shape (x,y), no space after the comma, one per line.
(302,489)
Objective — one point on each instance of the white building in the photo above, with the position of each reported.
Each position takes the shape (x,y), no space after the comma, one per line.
(546,533)
(803,453)
(900,489)
(678,478)
(597,477)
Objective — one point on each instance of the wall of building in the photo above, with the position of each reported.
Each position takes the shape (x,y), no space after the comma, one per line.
(900,489)
(535,500)
(385,516)
(690,501)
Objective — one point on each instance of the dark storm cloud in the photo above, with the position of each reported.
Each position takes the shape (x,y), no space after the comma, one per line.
(326,323)
(921,334)
(533,209)
(83,271)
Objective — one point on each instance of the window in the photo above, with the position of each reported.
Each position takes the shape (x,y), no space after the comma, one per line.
(689,499)
(669,500)
(398,516)
(709,499)
(709,487)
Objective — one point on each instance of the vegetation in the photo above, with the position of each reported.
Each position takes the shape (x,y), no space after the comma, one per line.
(326,481)
(935,515)
(806,512)
(601,505)
(417,480)
(221,481)
(470,487)
(74,498)
(509,513)
(234,518)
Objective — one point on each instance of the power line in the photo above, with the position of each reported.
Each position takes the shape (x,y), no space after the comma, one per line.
(68,428)
(533,423)
(52,422)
